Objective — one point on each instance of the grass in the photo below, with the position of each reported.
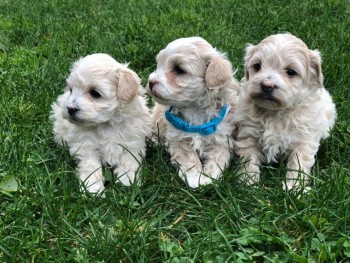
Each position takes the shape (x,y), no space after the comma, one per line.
(43,217)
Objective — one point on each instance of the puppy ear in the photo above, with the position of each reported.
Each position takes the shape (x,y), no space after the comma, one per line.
(76,64)
(219,71)
(248,55)
(316,70)
(128,85)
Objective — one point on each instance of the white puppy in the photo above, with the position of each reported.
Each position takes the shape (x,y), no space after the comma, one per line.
(103,118)
(284,108)
(196,94)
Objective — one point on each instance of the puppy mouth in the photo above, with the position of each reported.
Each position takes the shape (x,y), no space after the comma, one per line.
(266,96)
(157,97)
(75,120)
(169,100)
(155,94)
(161,100)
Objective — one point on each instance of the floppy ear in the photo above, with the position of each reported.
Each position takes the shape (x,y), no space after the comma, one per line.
(316,70)
(76,64)
(248,55)
(128,85)
(219,71)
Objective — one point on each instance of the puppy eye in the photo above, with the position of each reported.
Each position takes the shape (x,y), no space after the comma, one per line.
(290,72)
(257,67)
(94,93)
(178,70)
(70,90)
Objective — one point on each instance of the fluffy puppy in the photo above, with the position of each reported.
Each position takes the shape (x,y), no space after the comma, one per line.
(103,118)
(284,108)
(194,85)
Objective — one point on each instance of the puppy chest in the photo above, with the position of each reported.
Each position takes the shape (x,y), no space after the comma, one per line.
(276,140)
(113,146)
(110,153)
(201,144)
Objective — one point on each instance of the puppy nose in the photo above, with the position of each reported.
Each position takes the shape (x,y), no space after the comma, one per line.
(72,110)
(151,84)
(267,86)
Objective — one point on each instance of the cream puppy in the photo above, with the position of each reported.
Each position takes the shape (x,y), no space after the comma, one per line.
(284,108)
(195,95)
(103,118)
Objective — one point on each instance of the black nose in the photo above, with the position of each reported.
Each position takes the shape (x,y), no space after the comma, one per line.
(268,87)
(72,110)
(151,84)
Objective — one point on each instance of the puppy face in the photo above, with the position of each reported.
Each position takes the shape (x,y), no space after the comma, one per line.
(187,69)
(97,86)
(280,71)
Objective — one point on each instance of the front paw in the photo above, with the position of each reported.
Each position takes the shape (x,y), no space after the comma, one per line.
(194,178)
(212,169)
(93,187)
(296,180)
(125,176)
(250,174)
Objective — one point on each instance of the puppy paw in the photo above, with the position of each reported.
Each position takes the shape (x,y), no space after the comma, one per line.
(212,169)
(126,179)
(296,181)
(94,188)
(194,178)
(289,185)
(125,176)
(250,178)
(250,174)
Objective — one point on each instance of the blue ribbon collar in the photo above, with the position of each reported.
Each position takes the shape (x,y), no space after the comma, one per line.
(204,129)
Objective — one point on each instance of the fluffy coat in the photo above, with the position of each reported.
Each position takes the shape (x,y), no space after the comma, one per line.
(103,118)
(197,80)
(283,108)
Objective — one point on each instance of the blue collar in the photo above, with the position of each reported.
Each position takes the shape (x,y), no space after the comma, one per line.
(204,129)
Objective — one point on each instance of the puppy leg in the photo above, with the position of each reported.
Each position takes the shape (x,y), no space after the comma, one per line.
(128,166)
(216,159)
(90,174)
(299,163)
(188,161)
(159,124)
(250,173)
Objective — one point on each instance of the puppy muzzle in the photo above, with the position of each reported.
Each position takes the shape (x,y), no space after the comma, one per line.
(72,110)
(267,86)
(151,84)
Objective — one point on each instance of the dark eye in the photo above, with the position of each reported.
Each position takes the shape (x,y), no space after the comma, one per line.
(290,72)
(178,70)
(95,94)
(257,67)
(70,90)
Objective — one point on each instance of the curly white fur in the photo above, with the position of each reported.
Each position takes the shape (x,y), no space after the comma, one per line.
(103,118)
(283,109)
(197,81)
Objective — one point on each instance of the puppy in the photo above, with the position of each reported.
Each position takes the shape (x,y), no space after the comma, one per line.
(103,118)
(283,109)
(195,95)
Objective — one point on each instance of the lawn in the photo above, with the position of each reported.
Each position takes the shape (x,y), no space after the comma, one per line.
(44,218)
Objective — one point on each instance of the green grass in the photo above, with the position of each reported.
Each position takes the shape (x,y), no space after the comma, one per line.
(46,219)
